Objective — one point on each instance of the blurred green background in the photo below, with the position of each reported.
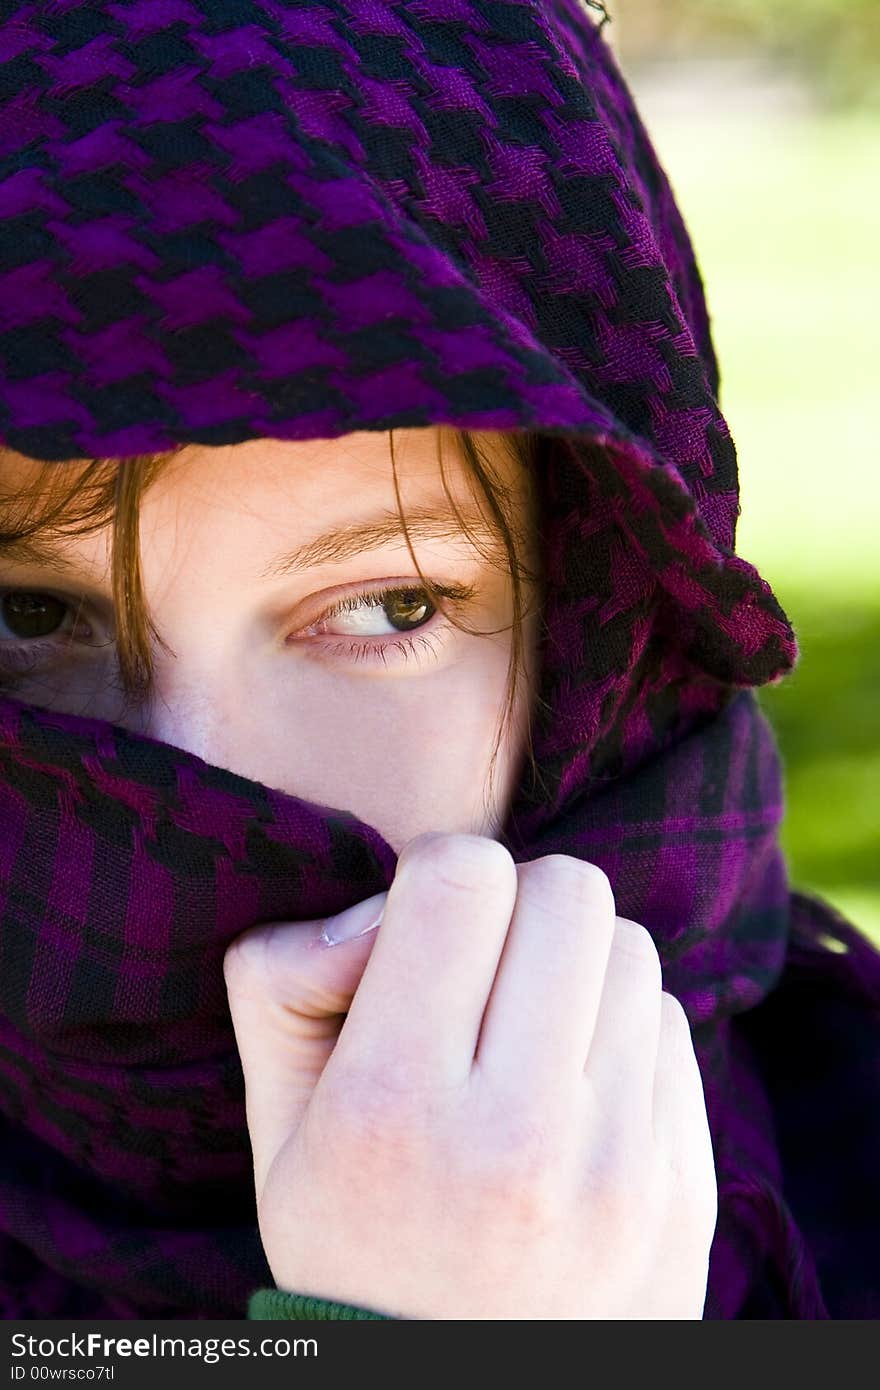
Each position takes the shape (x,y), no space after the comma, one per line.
(765,114)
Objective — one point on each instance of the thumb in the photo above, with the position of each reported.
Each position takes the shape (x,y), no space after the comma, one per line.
(289,984)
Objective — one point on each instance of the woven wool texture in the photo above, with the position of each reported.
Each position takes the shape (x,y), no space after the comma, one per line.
(230,220)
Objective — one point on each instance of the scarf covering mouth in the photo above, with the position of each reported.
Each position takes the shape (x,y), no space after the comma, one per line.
(226,221)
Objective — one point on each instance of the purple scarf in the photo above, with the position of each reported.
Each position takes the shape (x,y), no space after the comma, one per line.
(259,218)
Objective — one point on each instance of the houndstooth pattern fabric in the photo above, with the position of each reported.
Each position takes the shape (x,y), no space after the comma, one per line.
(231,219)
(119,1079)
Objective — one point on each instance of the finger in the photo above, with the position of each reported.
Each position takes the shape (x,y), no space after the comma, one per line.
(681,1124)
(415,1019)
(287,994)
(545,998)
(622,1057)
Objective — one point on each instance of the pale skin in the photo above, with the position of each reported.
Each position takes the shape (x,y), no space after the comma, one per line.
(246,688)
(488,1107)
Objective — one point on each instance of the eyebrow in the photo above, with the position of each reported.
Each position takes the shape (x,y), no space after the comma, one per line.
(342,543)
(30,551)
(423,523)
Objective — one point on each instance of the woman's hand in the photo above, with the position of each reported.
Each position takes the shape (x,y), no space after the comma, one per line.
(511,1122)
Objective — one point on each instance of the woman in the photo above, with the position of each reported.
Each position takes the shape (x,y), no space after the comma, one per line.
(243,244)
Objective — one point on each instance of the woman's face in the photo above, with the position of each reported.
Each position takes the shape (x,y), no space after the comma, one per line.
(381,707)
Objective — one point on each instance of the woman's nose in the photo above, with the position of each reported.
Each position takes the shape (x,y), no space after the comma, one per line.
(187,716)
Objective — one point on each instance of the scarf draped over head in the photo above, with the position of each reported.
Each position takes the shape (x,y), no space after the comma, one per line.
(221,222)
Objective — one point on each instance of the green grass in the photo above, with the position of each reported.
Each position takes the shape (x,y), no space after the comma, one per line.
(785,216)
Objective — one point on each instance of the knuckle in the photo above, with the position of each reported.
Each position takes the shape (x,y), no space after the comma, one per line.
(245,962)
(638,945)
(589,885)
(521,1169)
(522,1186)
(674,1022)
(233,966)
(625,1196)
(533,1201)
(459,860)
(374,1117)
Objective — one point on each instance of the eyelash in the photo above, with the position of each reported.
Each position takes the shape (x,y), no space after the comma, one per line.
(22,658)
(373,649)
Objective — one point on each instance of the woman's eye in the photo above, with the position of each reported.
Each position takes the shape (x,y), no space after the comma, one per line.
(377,614)
(29,615)
(402,611)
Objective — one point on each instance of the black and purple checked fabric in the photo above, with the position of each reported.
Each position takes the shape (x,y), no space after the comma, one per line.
(127,868)
(231,219)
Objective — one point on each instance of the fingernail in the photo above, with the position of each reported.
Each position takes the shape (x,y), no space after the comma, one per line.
(351,924)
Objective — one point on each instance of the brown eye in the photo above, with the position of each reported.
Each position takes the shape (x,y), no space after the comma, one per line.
(32,615)
(407,607)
